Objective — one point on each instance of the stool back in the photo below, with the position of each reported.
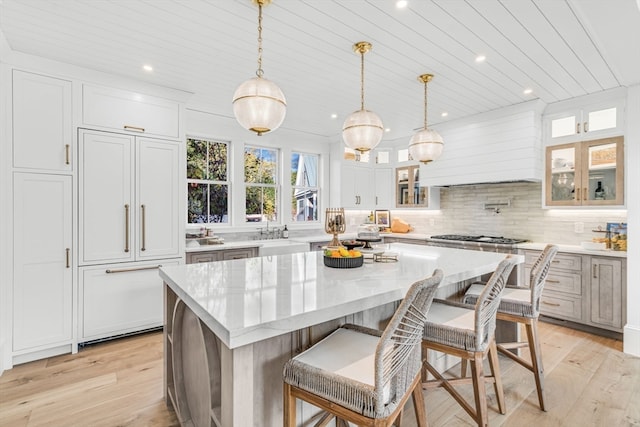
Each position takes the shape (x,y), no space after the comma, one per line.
(538,276)
(398,357)
(488,301)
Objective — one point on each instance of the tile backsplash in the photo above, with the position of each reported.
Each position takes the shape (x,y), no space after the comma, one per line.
(462,210)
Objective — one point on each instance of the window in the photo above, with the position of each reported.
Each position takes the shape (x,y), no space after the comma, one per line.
(207,181)
(261,182)
(304,183)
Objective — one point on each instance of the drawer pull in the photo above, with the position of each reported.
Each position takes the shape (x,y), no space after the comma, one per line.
(555,261)
(134,128)
(66,154)
(553,281)
(126,228)
(552,304)
(143,220)
(68,257)
(126,270)
(595,271)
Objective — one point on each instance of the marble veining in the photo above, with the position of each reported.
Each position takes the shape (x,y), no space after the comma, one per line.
(248,300)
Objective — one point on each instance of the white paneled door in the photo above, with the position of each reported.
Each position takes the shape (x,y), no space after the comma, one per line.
(105,197)
(157,203)
(42,250)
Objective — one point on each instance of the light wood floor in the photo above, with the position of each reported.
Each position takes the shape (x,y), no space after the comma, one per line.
(590,382)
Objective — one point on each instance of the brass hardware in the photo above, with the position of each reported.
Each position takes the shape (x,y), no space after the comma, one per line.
(143,223)
(126,228)
(595,269)
(126,270)
(67,250)
(584,194)
(376,200)
(578,194)
(135,128)
(585,126)
(66,154)
(551,304)
(577,127)
(553,281)
(555,261)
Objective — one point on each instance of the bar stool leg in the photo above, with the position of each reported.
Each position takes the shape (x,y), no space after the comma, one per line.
(536,359)
(480,390)
(289,409)
(495,372)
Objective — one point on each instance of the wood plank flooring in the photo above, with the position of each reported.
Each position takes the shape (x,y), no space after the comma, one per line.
(589,382)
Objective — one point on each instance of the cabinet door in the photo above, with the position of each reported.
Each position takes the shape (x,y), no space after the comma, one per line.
(128,111)
(158,201)
(42,288)
(563,179)
(116,300)
(42,125)
(603,172)
(383,188)
(239,253)
(606,292)
(348,196)
(197,257)
(365,187)
(105,198)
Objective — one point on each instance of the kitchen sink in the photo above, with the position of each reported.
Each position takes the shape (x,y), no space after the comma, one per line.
(280,247)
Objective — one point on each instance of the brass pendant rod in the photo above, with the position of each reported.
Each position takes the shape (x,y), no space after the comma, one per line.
(425,105)
(361,80)
(259,71)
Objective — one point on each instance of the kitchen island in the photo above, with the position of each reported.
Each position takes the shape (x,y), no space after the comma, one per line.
(231,325)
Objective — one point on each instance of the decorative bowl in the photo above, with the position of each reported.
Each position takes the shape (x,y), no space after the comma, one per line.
(351,244)
(343,262)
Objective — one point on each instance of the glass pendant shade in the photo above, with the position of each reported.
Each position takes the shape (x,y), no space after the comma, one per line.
(259,105)
(426,146)
(362,130)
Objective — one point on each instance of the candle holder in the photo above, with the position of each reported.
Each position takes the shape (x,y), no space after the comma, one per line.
(335,224)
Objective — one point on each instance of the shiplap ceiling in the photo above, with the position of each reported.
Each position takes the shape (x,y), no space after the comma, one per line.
(559,48)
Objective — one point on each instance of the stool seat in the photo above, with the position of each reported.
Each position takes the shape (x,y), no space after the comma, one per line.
(515,300)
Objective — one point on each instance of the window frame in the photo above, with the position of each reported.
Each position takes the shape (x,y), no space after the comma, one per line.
(277,185)
(311,188)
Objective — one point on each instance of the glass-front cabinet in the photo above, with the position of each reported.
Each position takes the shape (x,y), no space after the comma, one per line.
(409,193)
(589,173)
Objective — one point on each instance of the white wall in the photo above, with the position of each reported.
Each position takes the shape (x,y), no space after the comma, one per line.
(632,145)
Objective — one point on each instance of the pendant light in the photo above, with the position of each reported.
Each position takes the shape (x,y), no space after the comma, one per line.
(362,129)
(259,104)
(426,145)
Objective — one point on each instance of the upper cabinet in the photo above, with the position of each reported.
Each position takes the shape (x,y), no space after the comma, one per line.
(42,123)
(122,110)
(589,173)
(409,193)
(590,122)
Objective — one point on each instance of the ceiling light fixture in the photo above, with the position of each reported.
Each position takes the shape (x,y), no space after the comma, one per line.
(148,68)
(362,129)
(426,145)
(480,58)
(444,114)
(401,4)
(527,91)
(259,104)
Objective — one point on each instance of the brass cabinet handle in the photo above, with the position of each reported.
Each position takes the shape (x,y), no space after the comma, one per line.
(584,194)
(552,304)
(585,126)
(143,224)
(68,250)
(553,281)
(376,200)
(578,127)
(595,271)
(555,261)
(126,270)
(126,228)
(577,194)
(135,128)
(66,154)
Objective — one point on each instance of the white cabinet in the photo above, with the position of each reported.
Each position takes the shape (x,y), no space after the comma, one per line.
(383,188)
(42,123)
(130,111)
(119,298)
(42,253)
(586,122)
(129,198)
(357,187)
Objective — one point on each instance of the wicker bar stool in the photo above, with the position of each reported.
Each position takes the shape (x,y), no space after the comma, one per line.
(467,333)
(362,375)
(522,305)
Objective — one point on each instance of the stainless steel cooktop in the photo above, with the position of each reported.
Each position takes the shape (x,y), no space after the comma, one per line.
(479,238)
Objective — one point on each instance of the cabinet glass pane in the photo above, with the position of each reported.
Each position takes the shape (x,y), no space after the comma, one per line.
(356,156)
(602,119)
(403,155)
(563,127)
(402,184)
(602,172)
(563,174)
(382,157)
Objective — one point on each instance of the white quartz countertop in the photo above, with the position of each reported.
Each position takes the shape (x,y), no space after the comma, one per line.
(576,249)
(248,300)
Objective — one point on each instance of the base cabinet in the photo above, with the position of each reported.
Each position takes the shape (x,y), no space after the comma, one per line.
(221,255)
(585,289)
(120,298)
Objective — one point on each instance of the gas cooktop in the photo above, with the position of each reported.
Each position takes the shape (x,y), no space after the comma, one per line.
(480,239)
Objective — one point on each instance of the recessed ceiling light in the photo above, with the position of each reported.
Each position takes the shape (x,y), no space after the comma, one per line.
(147,67)
(480,58)
(527,91)
(444,114)
(401,4)
(387,130)
(334,116)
